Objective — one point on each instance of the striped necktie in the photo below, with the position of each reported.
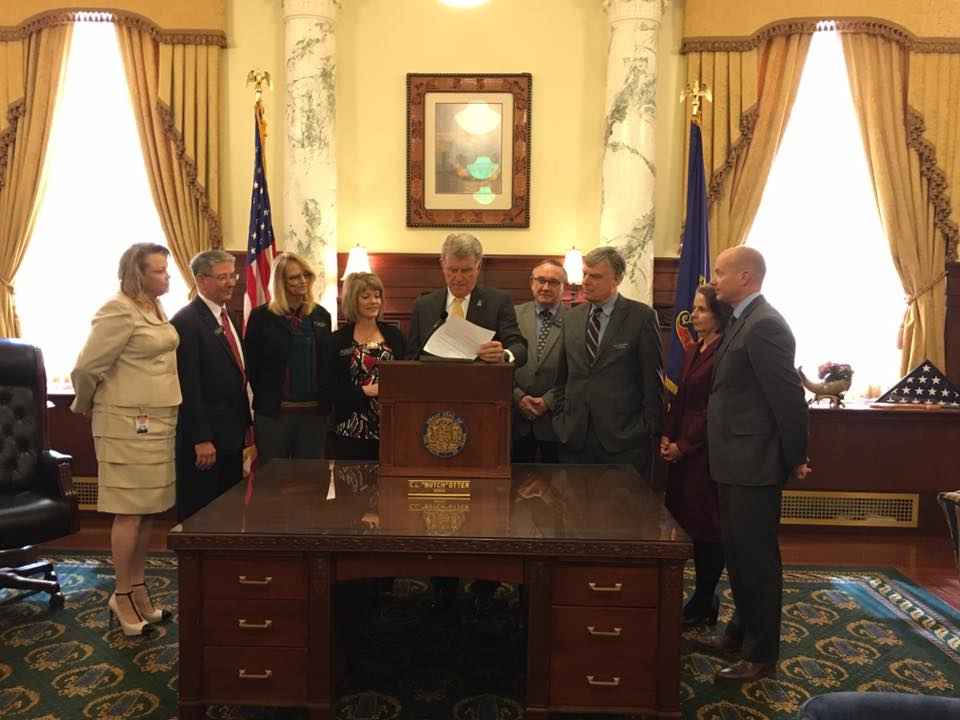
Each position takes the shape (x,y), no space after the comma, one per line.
(593,333)
(546,317)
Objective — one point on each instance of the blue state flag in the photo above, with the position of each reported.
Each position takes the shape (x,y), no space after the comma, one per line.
(694,261)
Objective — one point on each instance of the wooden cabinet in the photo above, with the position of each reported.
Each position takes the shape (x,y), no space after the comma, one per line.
(604,627)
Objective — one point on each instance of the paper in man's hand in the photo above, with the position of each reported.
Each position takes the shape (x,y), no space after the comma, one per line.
(457,339)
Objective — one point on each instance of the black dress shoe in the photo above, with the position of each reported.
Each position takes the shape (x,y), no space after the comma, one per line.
(745,670)
(695,616)
(724,645)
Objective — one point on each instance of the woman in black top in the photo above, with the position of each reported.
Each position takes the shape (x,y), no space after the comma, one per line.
(360,346)
(288,353)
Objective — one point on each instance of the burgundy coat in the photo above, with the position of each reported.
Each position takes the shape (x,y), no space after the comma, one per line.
(691,494)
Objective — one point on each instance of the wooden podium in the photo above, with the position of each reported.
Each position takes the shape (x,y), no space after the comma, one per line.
(445,419)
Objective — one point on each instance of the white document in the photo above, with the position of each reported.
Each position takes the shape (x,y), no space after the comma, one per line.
(458,339)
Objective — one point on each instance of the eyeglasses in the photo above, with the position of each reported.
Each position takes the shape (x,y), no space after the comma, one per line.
(223,277)
(546,281)
(299,278)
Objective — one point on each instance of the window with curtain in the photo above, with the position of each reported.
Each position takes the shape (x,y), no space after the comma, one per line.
(96,203)
(829,267)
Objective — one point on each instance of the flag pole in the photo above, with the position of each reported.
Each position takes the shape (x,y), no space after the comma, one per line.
(694,267)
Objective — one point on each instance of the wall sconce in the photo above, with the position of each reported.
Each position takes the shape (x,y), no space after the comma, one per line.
(573,265)
(357,261)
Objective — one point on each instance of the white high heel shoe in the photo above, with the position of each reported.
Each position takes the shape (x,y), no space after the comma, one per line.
(129,629)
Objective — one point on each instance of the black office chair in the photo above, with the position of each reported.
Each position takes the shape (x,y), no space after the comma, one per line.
(37,502)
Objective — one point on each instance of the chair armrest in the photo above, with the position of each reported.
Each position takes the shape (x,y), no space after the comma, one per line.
(56,475)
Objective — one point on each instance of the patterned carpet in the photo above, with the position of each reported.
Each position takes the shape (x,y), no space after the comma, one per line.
(844,629)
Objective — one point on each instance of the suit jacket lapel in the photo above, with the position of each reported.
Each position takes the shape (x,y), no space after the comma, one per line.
(213,323)
(613,326)
(478,302)
(735,330)
(553,335)
(527,320)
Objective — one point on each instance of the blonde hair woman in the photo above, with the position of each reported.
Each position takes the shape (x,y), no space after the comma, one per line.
(360,346)
(126,378)
(287,348)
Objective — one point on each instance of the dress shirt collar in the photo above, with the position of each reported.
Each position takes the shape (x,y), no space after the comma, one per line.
(450,298)
(742,305)
(607,305)
(214,308)
(552,309)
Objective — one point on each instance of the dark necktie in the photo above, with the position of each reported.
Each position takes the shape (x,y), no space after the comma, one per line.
(231,341)
(593,333)
(546,317)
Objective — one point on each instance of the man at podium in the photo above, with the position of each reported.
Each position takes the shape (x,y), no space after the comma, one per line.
(460,258)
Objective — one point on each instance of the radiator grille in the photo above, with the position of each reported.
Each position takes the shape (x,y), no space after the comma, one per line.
(803,507)
(86,491)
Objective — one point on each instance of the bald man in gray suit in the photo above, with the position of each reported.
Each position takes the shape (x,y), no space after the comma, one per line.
(757,440)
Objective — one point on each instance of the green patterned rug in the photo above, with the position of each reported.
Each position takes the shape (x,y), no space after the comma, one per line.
(844,629)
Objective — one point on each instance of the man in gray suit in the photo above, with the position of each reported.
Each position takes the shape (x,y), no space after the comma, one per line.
(533,393)
(756,439)
(609,384)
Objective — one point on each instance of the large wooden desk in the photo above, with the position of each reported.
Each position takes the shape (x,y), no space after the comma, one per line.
(600,557)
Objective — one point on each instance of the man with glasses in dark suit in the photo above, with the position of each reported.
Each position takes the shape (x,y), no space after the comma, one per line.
(534,395)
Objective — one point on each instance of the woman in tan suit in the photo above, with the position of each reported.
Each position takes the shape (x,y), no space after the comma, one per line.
(126,379)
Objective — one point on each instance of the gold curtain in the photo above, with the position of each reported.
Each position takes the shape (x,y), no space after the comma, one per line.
(878,68)
(31,71)
(175,94)
(753,93)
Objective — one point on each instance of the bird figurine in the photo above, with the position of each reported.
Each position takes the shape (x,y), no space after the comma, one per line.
(835,381)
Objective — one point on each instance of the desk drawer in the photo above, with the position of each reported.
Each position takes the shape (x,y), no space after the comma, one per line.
(604,639)
(257,576)
(574,688)
(259,676)
(254,621)
(605,585)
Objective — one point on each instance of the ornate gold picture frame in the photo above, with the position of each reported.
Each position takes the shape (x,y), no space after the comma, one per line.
(468,150)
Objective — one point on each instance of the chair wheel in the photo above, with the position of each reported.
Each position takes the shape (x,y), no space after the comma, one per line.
(57,601)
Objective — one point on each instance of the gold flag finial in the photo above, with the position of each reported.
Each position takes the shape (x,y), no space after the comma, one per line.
(259,78)
(698,92)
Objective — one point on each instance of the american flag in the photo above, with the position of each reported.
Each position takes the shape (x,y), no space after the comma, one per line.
(924,385)
(261,248)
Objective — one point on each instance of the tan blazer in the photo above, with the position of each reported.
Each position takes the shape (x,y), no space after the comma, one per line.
(129,360)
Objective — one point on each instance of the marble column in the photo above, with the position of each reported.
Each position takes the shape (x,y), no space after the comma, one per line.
(310,160)
(629,171)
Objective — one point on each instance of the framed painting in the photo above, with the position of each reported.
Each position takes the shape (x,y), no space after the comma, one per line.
(468,150)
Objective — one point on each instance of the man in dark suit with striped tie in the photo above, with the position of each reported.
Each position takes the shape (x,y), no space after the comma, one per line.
(609,381)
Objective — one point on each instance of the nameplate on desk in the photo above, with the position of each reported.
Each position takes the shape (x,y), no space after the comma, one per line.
(439,487)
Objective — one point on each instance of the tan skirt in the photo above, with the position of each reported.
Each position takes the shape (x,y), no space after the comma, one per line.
(136,470)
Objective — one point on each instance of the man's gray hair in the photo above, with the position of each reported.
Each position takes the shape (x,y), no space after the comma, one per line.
(552,262)
(202,263)
(462,245)
(611,255)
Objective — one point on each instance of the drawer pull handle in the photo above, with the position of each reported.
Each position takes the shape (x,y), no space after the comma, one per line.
(244,624)
(616,587)
(591,630)
(265,675)
(244,580)
(614,682)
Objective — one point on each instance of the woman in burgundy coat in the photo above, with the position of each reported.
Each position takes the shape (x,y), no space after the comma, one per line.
(691,493)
